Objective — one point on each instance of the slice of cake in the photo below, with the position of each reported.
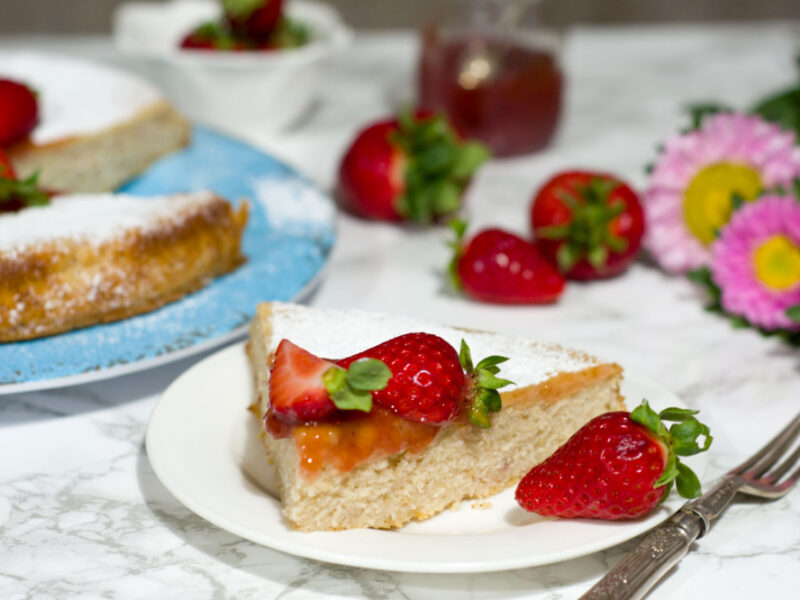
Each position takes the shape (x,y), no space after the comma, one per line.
(379,470)
(87,259)
(98,126)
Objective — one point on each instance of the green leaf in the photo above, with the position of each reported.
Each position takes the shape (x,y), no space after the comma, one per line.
(348,398)
(793,312)
(687,483)
(478,414)
(597,256)
(436,159)
(465,357)
(701,111)
(670,472)
(241,8)
(334,379)
(683,437)
(553,232)
(445,197)
(491,361)
(492,400)
(644,415)
(368,374)
(677,414)
(566,257)
(468,158)
(487,380)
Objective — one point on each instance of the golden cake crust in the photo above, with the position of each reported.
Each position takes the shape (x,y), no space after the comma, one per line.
(65,284)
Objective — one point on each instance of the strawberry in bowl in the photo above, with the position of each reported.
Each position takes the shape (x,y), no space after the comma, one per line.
(411,168)
(590,224)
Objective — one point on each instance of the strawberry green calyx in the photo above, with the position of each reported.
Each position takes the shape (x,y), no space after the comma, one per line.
(588,234)
(681,439)
(350,389)
(438,168)
(241,9)
(18,194)
(482,395)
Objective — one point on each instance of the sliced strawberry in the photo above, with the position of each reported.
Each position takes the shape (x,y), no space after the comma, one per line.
(296,390)
(304,387)
(19,112)
(618,466)
(498,266)
(412,168)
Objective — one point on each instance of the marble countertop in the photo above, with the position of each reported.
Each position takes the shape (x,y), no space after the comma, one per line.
(82,514)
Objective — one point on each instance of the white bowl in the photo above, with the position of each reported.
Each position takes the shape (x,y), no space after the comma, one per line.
(236,91)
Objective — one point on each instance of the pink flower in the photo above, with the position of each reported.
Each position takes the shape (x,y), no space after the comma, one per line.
(690,192)
(756,262)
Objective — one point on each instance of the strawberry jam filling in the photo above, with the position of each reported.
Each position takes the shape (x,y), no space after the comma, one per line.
(346,443)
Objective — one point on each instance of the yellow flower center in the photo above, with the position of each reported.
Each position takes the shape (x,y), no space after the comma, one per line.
(777,263)
(708,200)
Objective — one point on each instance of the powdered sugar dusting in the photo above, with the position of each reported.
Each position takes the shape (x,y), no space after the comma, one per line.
(293,203)
(339,333)
(91,218)
(77,98)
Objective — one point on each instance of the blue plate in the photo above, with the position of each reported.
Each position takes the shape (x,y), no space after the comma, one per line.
(289,236)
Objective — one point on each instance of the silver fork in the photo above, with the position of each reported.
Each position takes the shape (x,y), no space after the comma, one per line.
(667,544)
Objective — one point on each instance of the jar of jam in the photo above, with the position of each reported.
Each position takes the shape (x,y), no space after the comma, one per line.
(493,72)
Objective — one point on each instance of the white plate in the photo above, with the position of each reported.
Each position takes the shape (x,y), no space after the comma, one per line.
(202,443)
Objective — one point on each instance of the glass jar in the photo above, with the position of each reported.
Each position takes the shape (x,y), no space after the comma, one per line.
(493,71)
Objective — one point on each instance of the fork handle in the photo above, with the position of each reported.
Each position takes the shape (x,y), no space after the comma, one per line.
(656,553)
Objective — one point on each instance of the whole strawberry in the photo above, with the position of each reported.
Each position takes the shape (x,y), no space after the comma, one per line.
(15,194)
(497,266)
(429,383)
(590,224)
(19,112)
(412,168)
(256,19)
(618,466)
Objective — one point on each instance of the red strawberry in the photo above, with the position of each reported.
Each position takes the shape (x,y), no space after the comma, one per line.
(497,266)
(304,387)
(428,383)
(411,168)
(19,112)
(618,466)
(590,224)
(255,19)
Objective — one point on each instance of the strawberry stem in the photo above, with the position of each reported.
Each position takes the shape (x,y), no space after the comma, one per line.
(681,439)
(482,396)
(438,169)
(16,194)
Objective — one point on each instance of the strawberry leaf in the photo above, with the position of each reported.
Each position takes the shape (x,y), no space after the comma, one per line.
(368,374)
(670,472)
(17,194)
(347,398)
(491,361)
(687,482)
(486,379)
(644,415)
(683,437)
(468,158)
(465,357)
(677,414)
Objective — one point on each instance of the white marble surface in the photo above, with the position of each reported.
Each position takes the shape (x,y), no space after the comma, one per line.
(83,516)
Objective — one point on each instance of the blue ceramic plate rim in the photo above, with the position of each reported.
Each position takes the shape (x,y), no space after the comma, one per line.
(311,232)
